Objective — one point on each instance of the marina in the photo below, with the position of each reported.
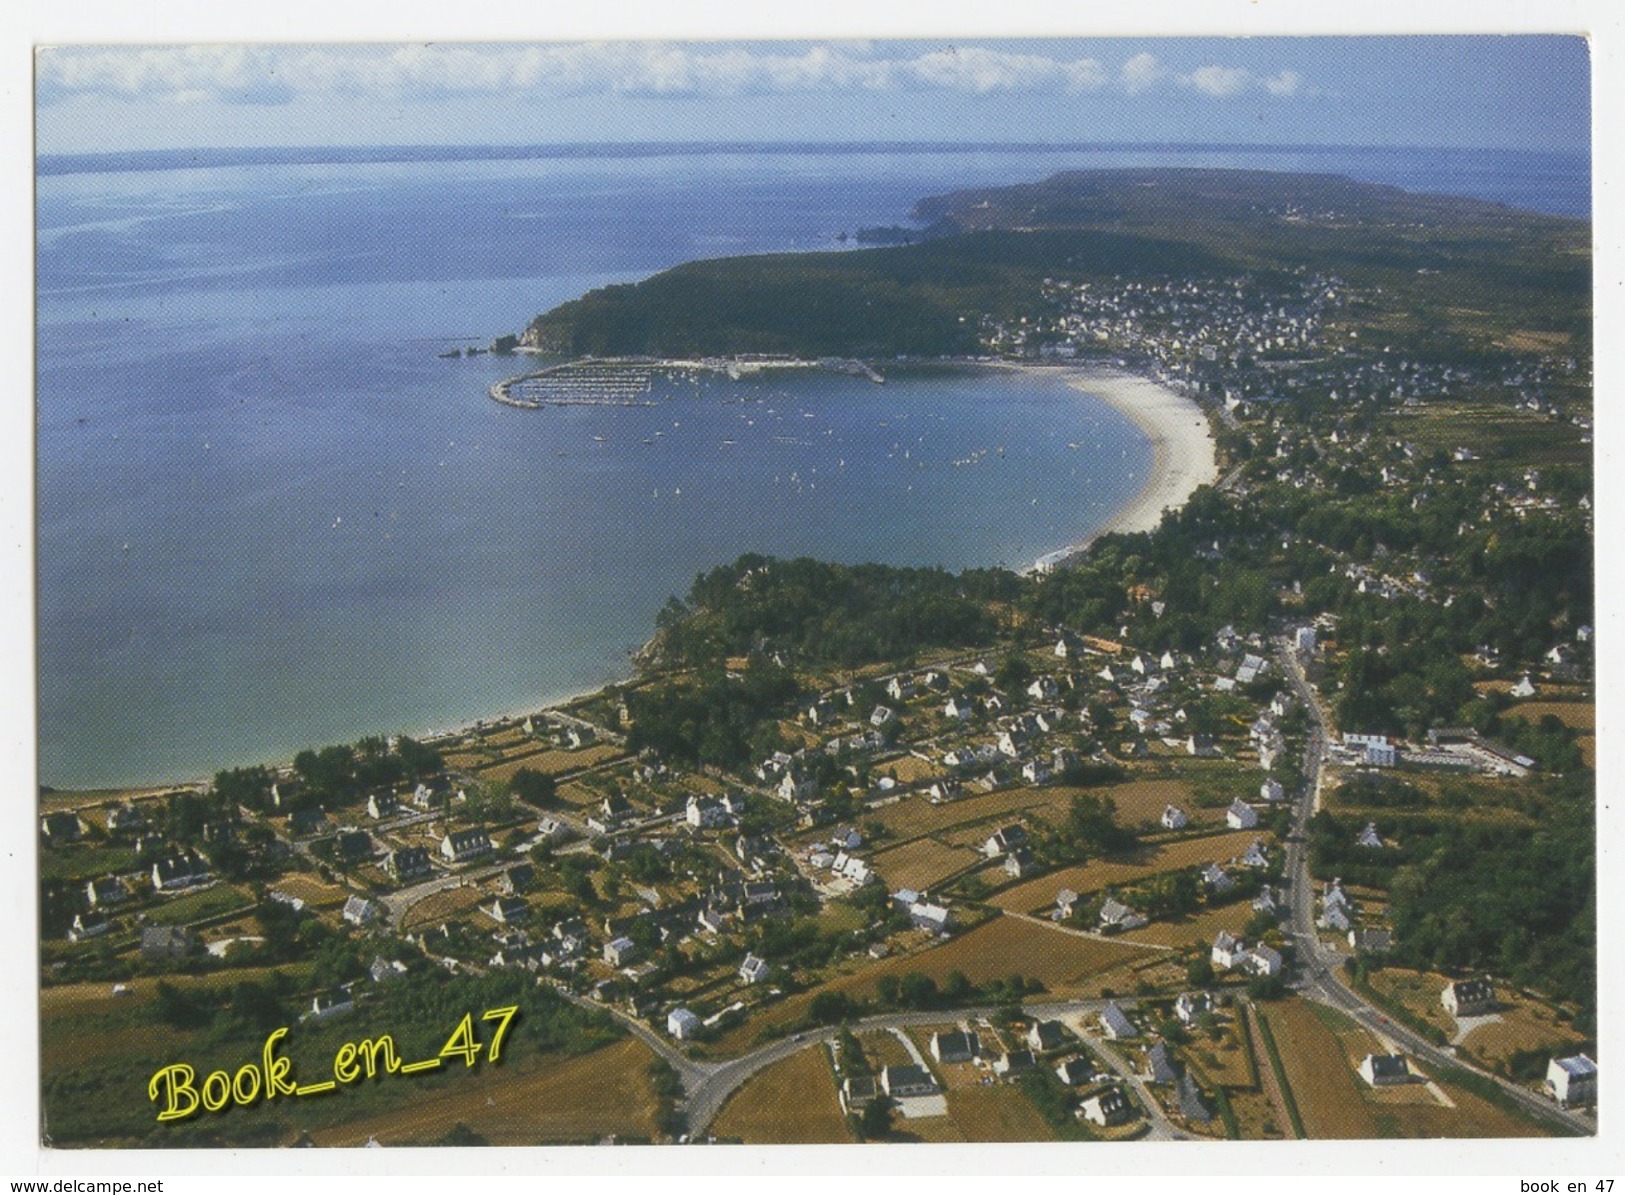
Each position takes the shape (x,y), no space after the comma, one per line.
(627,381)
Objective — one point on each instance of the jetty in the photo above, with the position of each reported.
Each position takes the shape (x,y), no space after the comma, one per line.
(627,381)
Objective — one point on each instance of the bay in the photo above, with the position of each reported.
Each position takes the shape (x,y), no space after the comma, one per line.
(271,516)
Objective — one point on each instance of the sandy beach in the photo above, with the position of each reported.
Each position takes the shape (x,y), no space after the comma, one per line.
(1184,454)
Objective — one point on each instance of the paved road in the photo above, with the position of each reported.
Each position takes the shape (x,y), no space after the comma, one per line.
(1319,969)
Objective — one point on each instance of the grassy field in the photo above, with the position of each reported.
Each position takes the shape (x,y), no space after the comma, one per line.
(441,906)
(1199,927)
(923,863)
(1062,962)
(1576,715)
(1326,1088)
(997,1113)
(195,906)
(1524,1025)
(1418,992)
(1100,873)
(551,763)
(312,891)
(759,1112)
(546,1099)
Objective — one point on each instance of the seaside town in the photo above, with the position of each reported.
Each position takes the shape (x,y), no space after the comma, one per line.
(1274,822)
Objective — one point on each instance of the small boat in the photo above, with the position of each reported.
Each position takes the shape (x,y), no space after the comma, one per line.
(450,353)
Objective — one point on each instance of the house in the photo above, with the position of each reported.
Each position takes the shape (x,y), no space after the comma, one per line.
(1175,818)
(794,789)
(1228,950)
(958,1046)
(1201,746)
(407,864)
(960,708)
(1014,1060)
(106,892)
(1065,899)
(1019,863)
(1192,1103)
(161,943)
(705,813)
(1115,1022)
(508,910)
(551,829)
(384,970)
(1271,791)
(358,910)
(621,952)
(516,880)
(179,871)
(930,917)
(125,819)
(1572,1082)
(1263,960)
(1075,1072)
(1374,749)
(1469,997)
(61,827)
(1004,840)
(1241,816)
(1384,1070)
(1043,689)
(1047,1035)
(858,1092)
(1190,1007)
(381,805)
(1335,918)
(881,716)
(1369,838)
(1216,880)
(682,1024)
(327,1005)
(1114,915)
(1371,941)
(907,1080)
(753,969)
(1265,901)
(1161,1066)
(1108,1108)
(88,925)
(459,846)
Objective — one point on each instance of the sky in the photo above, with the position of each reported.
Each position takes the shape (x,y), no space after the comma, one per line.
(1524,91)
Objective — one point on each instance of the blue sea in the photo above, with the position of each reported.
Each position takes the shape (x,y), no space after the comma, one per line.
(271,516)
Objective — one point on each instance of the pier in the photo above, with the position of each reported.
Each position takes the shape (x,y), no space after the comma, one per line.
(627,381)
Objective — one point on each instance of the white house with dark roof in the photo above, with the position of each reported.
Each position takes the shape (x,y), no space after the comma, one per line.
(1469,998)
(682,1024)
(1385,1070)
(1271,791)
(959,1045)
(1572,1081)
(1241,816)
(459,846)
(1115,1022)
(360,911)
(1110,1107)
(1175,818)
(753,969)
(1114,914)
(907,1080)
(1228,950)
(1369,838)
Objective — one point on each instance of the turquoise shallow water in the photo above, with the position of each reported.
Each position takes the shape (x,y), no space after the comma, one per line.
(270,516)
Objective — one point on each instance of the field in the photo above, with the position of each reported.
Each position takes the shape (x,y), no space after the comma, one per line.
(1524,1025)
(311,890)
(552,763)
(1198,928)
(1576,715)
(1063,962)
(1099,873)
(759,1113)
(923,863)
(440,906)
(550,1099)
(997,1113)
(195,906)
(1418,992)
(1316,1063)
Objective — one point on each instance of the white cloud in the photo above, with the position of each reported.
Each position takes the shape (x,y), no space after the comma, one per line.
(279,74)
(1285,83)
(1141,73)
(1218,81)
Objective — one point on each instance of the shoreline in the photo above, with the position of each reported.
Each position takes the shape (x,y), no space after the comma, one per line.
(1183,459)
(1183,448)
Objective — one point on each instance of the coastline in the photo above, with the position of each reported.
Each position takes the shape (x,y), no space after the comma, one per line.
(1183,459)
(1184,451)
